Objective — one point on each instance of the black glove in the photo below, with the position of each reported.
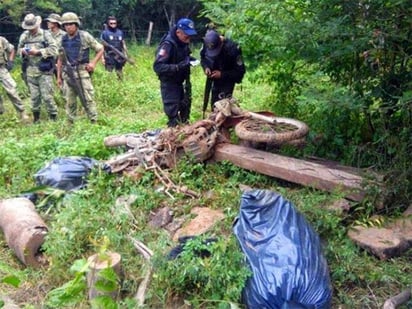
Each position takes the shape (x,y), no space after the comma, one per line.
(182,65)
(9,65)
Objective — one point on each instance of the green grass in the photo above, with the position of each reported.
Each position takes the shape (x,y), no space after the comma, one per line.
(87,221)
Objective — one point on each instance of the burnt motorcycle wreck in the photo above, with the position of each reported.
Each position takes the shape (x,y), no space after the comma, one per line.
(160,149)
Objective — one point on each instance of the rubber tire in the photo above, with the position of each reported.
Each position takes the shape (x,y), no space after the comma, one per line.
(284,130)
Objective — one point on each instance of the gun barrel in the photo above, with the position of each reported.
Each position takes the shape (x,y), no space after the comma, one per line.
(118,52)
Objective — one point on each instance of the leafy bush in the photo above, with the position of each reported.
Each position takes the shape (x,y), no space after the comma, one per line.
(207,282)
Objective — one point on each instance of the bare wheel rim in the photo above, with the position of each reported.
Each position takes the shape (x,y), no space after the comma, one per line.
(284,130)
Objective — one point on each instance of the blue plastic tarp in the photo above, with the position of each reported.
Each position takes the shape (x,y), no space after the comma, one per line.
(284,254)
(66,173)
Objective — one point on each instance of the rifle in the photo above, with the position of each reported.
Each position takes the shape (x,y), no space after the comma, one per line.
(76,83)
(208,87)
(118,52)
(24,65)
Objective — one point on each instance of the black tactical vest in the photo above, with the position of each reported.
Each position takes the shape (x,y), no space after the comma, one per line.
(73,47)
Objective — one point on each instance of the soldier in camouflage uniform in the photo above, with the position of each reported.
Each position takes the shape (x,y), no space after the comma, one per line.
(7,54)
(76,45)
(38,47)
(54,26)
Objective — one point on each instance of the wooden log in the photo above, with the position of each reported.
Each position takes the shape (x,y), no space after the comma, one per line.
(293,170)
(97,264)
(397,300)
(24,230)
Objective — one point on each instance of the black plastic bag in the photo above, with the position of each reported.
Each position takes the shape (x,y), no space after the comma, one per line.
(284,254)
(66,173)
(203,253)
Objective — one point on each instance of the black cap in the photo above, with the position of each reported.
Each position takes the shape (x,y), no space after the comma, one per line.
(213,43)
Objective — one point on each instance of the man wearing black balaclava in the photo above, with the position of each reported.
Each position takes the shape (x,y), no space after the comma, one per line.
(115,37)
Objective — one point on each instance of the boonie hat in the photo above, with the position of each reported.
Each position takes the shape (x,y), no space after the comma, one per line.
(213,43)
(30,22)
(187,26)
(54,18)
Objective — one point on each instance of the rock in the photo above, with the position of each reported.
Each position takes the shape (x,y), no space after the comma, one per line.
(386,242)
(341,205)
(176,224)
(204,220)
(161,217)
(408,212)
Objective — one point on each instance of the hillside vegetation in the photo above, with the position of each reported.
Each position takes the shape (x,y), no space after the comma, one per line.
(87,221)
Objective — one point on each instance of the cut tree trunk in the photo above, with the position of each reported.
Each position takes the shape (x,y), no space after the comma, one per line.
(24,230)
(298,171)
(96,265)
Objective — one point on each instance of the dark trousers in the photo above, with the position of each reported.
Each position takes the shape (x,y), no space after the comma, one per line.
(176,108)
(111,64)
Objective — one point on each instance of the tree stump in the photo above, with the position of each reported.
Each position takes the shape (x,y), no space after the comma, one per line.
(24,230)
(96,265)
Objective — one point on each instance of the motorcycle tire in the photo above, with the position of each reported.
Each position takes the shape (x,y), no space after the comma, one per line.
(278,133)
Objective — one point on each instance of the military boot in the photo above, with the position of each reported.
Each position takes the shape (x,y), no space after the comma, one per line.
(53,117)
(36,117)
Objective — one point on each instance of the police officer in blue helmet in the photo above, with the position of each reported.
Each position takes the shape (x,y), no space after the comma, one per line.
(172,66)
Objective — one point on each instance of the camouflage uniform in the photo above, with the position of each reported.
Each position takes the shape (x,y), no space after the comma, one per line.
(57,36)
(6,79)
(40,83)
(79,63)
(54,24)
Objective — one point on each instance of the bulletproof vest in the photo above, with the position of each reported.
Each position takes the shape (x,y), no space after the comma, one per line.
(73,48)
(114,38)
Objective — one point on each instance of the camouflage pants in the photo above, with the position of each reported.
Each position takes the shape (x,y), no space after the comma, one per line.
(71,95)
(10,87)
(41,88)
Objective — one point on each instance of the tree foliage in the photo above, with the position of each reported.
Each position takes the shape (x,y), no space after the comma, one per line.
(273,36)
(134,15)
(364,46)
(13,11)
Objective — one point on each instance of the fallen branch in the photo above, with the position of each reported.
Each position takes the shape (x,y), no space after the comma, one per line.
(141,291)
(142,248)
(397,300)
(147,254)
(168,183)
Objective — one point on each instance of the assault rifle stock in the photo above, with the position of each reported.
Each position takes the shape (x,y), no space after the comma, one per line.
(76,83)
(118,52)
